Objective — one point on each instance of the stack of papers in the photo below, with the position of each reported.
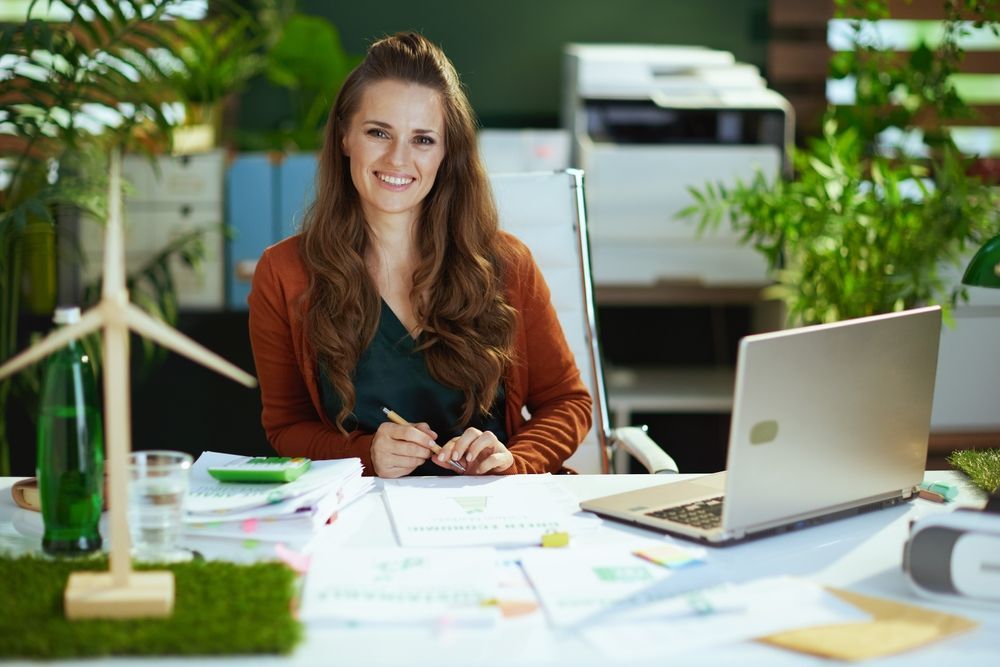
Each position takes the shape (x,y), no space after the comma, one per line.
(288,512)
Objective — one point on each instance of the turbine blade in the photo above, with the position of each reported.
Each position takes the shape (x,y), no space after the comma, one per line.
(181,344)
(56,339)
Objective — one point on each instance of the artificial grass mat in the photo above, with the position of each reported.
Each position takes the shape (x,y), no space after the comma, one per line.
(218,608)
(981,465)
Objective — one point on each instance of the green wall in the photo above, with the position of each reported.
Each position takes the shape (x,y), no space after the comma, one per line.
(509,53)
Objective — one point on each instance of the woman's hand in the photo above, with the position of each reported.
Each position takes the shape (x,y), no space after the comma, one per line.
(398,449)
(479,451)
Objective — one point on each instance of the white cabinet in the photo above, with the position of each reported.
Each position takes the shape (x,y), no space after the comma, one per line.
(166,198)
(966,396)
(634,193)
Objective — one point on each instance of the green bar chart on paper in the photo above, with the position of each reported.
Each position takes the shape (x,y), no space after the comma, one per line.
(509,511)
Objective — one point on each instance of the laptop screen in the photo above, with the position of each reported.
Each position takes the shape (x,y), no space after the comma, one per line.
(829,414)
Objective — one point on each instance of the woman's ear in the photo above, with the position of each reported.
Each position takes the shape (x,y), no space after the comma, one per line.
(343,146)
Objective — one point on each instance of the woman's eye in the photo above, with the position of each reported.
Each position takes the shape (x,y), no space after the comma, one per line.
(376,132)
(424,140)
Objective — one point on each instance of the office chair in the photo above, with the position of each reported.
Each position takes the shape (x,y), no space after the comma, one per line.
(546,210)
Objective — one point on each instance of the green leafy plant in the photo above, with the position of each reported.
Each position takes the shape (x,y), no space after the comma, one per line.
(215,57)
(305,58)
(863,228)
(71,91)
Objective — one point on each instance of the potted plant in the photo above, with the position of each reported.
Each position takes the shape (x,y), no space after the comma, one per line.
(71,91)
(213,59)
(863,227)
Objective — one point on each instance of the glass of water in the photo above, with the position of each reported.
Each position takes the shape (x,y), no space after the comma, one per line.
(157,487)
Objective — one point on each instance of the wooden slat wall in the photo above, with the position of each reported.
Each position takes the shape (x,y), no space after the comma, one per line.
(798,56)
(807,13)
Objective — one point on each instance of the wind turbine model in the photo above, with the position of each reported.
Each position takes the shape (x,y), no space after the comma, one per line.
(120,592)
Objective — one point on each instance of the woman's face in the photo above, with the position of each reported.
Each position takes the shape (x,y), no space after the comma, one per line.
(395,144)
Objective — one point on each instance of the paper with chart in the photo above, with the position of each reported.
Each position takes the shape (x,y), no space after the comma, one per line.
(716,616)
(393,585)
(469,511)
(579,582)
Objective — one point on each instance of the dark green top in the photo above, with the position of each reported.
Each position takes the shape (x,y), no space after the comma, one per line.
(393,374)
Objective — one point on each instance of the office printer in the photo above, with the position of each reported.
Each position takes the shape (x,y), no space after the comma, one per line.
(646,123)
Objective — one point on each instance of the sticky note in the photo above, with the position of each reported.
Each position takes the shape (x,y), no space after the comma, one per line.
(555,539)
(894,628)
(944,489)
(670,555)
(297,561)
(930,495)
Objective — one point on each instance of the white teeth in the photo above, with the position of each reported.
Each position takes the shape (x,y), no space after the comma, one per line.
(395,180)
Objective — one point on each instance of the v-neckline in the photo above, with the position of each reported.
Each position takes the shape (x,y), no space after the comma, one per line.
(393,320)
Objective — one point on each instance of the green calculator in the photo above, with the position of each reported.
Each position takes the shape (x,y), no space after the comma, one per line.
(268,469)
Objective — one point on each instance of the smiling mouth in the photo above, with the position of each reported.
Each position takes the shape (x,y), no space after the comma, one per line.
(394,180)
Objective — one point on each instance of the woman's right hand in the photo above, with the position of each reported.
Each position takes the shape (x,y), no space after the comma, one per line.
(397,449)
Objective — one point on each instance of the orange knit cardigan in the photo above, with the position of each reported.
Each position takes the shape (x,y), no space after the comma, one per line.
(543,379)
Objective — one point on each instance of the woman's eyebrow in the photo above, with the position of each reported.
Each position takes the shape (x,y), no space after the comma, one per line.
(388,126)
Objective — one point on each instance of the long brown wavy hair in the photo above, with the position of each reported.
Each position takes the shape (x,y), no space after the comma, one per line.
(467,326)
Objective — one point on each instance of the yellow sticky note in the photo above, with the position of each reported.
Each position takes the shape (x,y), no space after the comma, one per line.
(556,539)
(894,628)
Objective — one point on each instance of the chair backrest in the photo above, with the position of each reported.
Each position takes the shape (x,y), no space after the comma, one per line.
(546,210)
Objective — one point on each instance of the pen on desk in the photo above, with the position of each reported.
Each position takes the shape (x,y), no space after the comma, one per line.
(396,419)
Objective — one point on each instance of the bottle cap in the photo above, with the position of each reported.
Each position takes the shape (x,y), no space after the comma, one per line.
(66,315)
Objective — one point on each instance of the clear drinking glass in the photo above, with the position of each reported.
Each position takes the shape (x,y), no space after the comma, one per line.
(157,487)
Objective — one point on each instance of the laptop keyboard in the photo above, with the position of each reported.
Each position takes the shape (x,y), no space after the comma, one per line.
(705,514)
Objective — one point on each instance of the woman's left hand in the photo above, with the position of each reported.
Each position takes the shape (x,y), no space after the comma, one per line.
(479,451)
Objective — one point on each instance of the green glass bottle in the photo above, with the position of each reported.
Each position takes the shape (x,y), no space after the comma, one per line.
(70,466)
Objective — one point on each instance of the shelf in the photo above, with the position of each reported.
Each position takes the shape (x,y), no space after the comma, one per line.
(668,390)
(676,293)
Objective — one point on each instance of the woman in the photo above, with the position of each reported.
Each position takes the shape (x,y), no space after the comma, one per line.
(400,292)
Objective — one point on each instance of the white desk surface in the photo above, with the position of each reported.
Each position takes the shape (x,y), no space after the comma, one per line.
(862,553)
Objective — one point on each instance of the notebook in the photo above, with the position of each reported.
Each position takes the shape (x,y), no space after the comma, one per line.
(828,421)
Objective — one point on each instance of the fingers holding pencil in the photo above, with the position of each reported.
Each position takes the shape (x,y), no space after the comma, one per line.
(395,418)
(397,450)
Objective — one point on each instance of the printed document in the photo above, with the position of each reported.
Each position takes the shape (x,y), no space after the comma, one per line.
(393,585)
(715,616)
(576,583)
(468,511)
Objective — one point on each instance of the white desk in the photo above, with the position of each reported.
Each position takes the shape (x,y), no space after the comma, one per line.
(862,553)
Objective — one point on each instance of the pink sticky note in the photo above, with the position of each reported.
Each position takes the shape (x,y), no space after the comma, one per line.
(297,561)
(249,526)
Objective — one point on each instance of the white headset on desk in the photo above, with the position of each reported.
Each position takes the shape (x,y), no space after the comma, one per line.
(956,556)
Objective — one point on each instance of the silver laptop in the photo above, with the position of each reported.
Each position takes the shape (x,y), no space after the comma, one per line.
(828,421)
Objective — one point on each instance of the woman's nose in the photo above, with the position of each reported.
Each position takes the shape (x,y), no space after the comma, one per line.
(398,152)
